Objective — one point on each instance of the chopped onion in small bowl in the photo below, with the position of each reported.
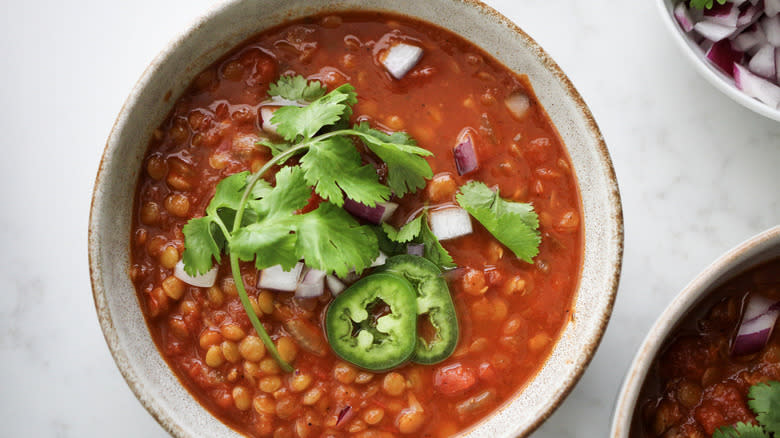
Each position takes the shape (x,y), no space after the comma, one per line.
(737,43)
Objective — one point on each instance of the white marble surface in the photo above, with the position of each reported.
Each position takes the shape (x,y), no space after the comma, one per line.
(698,174)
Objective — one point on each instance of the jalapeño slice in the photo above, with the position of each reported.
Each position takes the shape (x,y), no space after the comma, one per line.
(373,324)
(433,302)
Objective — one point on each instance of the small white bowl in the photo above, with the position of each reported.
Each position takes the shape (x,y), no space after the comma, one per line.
(231,22)
(751,253)
(720,80)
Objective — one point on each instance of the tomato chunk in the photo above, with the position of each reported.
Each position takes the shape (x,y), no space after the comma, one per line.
(454,379)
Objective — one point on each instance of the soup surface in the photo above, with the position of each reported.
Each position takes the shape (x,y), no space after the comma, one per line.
(698,384)
(510,312)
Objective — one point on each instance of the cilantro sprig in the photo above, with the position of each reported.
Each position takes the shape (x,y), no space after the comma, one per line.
(252,221)
(764,401)
(705,4)
(515,224)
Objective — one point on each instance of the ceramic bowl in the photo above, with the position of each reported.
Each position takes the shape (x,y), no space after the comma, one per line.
(230,23)
(752,252)
(712,74)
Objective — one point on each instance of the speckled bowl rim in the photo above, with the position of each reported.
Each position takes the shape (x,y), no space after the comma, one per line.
(612,235)
(749,253)
(714,76)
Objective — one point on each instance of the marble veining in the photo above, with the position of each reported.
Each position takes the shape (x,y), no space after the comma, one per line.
(698,174)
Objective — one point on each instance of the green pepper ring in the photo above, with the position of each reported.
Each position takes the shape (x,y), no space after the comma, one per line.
(433,299)
(391,339)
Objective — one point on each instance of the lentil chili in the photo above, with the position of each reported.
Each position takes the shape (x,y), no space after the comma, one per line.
(697,384)
(510,312)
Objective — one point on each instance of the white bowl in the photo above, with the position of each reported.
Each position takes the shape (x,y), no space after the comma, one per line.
(230,23)
(720,80)
(750,253)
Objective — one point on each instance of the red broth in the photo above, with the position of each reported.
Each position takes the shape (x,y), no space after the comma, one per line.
(696,385)
(511,313)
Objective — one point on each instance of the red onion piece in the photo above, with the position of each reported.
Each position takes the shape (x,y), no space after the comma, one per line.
(518,103)
(334,285)
(726,14)
(204,280)
(466,155)
(417,249)
(750,39)
(724,56)
(758,322)
(763,62)
(683,16)
(771,7)
(312,284)
(450,223)
(266,113)
(276,278)
(755,86)
(771,27)
(401,58)
(376,215)
(345,414)
(714,31)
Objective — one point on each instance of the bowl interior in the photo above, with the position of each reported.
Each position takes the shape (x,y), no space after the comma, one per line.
(227,25)
(715,76)
(759,249)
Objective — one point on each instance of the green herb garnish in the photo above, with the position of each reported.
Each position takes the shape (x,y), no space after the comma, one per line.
(764,401)
(514,224)
(250,220)
(708,4)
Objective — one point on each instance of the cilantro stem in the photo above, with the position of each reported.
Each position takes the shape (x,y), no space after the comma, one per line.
(236,269)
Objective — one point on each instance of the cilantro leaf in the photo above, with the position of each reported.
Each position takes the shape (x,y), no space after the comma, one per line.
(331,240)
(296,88)
(514,224)
(765,402)
(387,246)
(333,165)
(228,193)
(200,245)
(270,241)
(296,123)
(290,194)
(406,233)
(433,250)
(708,4)
(740,430)
(407,170)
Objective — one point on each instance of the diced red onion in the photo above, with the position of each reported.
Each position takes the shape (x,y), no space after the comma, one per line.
(749,16)
(683,16)
(450,223)
(334,285)
(311,285)
(756,327)
(753,38)
(401,58)
(276,278)
(376,215)
(380,260)
(763,62)
(714,31)
(465,154)
(755,86)
(417,249)
(777,65)
(518,103)
(724,56)
(726,14)
(345,414)
(266,113)
(202,280)
(771,7)
(771,27)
